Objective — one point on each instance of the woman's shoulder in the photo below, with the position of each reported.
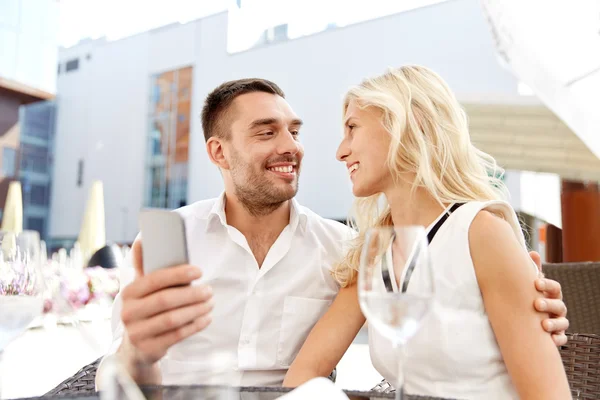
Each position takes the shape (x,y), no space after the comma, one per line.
(490,219)
(488,225)
(497,246)
(494,206)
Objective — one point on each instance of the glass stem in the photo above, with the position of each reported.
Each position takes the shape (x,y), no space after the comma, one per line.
(1,374)
(400,377)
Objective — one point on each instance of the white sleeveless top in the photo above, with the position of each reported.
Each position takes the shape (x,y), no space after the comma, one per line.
(455,353)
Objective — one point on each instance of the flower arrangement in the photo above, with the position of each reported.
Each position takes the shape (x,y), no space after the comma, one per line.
(69,292)
(79,288)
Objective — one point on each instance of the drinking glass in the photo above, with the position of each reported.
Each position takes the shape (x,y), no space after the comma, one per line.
(21,285)
(396,285)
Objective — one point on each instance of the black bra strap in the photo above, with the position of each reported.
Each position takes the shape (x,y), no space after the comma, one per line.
(441,221)
(430,236)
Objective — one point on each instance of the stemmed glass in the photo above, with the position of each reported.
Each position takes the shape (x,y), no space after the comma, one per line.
(396,285)
(21,285)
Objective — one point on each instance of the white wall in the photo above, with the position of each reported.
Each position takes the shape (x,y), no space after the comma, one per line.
(106,100)
(102,119)
(28,42)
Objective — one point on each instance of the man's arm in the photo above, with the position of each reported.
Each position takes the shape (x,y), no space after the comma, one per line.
(156,311)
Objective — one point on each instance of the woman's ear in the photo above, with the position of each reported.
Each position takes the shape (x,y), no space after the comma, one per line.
(216,152)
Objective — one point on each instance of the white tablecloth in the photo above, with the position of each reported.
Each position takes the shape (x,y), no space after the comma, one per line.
(40,359)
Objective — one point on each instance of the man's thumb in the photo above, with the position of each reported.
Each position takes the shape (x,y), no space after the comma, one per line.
(537,259)
(137,258)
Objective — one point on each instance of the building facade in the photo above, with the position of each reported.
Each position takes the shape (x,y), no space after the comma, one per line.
(26,150)
(35,161)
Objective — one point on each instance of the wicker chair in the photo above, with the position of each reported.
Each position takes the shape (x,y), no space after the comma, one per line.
(83,382)
(580,283)
(581,358)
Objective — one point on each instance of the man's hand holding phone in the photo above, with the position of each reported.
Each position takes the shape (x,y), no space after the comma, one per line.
(160,308)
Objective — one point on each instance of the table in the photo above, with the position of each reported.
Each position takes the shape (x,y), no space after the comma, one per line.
(243,393)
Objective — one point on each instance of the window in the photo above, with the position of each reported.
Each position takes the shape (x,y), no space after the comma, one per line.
(34,158)
(38,195)
(168,139)
(8,161)
(36,224)
(72,65)
(79,173)
(37,120)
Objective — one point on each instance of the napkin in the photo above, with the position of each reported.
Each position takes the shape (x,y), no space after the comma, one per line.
(316,388)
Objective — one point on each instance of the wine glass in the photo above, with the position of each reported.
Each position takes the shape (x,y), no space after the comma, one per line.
(21,284)
(395,285)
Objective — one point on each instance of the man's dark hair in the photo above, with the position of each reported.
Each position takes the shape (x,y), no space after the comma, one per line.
(219,100)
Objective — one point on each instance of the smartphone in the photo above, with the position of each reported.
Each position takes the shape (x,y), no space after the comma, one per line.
(164,241)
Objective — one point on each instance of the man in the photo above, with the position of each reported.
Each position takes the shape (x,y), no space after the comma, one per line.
(263,261)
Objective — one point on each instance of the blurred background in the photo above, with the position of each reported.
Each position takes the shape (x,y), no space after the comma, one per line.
(100,103)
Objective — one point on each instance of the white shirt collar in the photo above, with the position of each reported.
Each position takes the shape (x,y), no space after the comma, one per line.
(298,214)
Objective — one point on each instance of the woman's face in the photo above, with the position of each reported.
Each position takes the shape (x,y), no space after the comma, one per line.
(364,149)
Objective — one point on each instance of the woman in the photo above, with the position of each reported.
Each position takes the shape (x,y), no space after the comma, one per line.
(406,138)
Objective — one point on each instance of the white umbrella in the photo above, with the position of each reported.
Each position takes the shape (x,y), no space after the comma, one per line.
(12,217)
(93,235)
(554,48)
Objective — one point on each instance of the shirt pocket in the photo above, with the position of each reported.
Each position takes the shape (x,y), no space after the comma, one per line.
(300,314)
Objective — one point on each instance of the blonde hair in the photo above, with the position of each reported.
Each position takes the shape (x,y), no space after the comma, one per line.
(430,139)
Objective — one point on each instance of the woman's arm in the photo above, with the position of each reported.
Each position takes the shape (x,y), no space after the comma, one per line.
(328,340)
(505,274)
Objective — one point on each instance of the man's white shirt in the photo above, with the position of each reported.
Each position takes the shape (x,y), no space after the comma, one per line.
(261,316)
